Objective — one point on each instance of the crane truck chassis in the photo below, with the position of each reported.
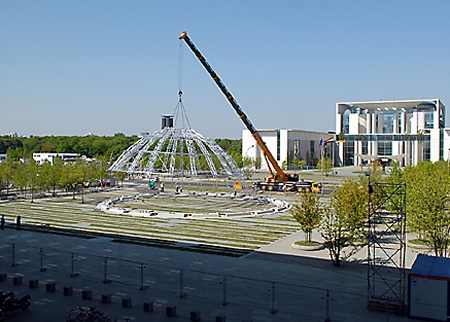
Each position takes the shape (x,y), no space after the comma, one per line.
(278,180)
(300,186)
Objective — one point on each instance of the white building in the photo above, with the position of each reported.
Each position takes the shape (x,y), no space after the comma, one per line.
(285,145)
(50,157)
(409,131)
(3,157)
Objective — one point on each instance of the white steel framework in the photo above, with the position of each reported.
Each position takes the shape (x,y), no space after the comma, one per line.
(177,151)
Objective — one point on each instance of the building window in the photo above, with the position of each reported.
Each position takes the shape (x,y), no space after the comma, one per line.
(388,123)
(384,147)
(349,152)
(296,149)
(364,147)
(429,121)
(345,122)
(426,150)
(311,151)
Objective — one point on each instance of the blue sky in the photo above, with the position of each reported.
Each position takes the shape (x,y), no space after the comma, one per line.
(103,67)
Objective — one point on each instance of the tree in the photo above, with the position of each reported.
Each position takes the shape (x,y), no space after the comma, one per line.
(120,176)
(427,193)
(6,174)
(343,222)
(74,175)
(308,213)
(31,176)
(248,167)
(325,165)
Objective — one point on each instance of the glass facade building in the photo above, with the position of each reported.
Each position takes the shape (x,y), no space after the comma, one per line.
(408,131)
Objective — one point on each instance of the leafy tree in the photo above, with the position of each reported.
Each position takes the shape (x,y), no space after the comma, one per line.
(6,174)
(325,165)
(248,167)
(74,175)
(342,224)
(308,213)
(32,176)
(427,190)
(120,176)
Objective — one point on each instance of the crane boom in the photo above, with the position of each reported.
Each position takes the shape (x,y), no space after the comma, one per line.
(280,176)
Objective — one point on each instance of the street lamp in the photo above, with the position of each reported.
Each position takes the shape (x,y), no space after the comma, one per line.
(243,158)
(333,148)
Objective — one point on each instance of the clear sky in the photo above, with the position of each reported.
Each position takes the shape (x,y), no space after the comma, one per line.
(104,67)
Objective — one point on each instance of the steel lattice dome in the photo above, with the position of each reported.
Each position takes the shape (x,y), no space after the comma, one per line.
(177,151)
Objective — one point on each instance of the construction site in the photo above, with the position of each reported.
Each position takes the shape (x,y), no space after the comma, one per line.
(185,238)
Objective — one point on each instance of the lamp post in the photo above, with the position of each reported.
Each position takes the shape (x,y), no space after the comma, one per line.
(243,159)
(333,149)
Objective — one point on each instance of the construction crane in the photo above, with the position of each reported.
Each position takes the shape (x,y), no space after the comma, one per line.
(278,179)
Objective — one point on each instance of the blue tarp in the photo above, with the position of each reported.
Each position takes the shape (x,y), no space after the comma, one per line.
(437,267)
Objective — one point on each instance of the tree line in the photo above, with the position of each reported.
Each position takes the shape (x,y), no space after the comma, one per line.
(35,178)
(342,223)
(91,146)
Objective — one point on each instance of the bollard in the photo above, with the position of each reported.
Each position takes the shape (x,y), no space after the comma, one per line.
(221,318)
(17,280)
(68,290)
(3,277)
(195,316)
(106,298)
(171,311)
(86,295)
(50,287)
(34,284)
(148,306)
(126,302)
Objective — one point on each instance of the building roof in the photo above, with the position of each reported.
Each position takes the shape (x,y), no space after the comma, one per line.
(431,266)
(389,105)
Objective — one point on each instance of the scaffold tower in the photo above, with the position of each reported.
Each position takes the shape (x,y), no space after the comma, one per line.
(386,252)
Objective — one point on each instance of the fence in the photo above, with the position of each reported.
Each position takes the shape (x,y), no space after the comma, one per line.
(313,303)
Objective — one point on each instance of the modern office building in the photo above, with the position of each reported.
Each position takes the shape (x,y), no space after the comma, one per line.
(285,145)
(50,157)
(409,131)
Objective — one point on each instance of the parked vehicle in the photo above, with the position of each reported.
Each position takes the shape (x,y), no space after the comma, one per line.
(10,303)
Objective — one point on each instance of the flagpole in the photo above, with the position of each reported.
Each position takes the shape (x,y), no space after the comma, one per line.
(321,164)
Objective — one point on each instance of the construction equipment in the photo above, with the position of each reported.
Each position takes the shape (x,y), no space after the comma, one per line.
(278,179)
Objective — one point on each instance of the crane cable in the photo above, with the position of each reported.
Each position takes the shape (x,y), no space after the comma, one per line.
(180,70)
(180,107)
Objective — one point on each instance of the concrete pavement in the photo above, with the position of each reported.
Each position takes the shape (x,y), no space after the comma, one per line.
(275,283)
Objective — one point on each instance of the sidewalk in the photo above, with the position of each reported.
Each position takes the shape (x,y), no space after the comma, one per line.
(275,279)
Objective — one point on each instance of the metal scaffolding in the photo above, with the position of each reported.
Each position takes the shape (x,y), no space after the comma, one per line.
(386,252)
(177,150)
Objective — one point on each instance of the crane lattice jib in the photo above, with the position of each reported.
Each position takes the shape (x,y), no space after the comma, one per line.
(269,157)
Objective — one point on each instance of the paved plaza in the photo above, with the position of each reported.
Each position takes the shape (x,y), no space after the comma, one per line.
(275,283)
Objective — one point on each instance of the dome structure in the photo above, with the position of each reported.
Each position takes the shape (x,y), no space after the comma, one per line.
(176,151)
